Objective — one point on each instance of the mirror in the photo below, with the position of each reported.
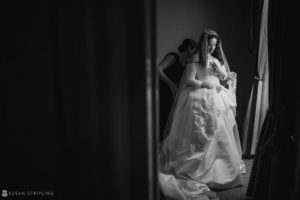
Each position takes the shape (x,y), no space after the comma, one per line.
(177,20)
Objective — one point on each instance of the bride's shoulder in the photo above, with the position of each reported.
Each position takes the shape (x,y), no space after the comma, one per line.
(194,58)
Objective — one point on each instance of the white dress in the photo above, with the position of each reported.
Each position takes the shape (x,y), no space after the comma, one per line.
(202,150)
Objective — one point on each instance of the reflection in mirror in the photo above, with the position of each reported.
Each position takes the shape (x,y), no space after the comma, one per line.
(205,69)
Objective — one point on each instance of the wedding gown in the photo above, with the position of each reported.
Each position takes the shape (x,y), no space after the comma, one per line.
(202,150)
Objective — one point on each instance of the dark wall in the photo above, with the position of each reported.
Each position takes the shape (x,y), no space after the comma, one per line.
(178,19)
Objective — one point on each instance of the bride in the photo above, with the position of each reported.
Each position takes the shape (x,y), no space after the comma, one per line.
(202,150)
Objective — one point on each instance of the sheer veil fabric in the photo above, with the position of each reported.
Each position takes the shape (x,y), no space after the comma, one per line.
(201,150)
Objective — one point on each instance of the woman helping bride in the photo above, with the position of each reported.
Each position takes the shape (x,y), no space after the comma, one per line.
(202,150)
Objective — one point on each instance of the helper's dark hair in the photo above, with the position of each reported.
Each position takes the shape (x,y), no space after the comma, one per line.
(186,44)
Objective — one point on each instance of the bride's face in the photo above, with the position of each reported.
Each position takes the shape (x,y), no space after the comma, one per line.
(212,43)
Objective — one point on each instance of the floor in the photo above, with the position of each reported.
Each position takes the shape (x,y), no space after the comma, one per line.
(232,194)
(240,192)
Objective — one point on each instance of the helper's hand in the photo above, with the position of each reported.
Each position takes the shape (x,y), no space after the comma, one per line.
(173,88)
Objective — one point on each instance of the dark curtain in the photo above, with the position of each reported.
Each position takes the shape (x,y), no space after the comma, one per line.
(73,98)
(275,172)
(255,13)
(255,16)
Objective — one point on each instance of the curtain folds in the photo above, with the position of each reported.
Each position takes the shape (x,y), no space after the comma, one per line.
(74,112)
(258,102)
(275,171)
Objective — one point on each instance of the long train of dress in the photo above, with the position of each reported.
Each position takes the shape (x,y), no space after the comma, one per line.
(202,150)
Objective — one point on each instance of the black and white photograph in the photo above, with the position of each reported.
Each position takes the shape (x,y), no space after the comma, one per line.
(150,100)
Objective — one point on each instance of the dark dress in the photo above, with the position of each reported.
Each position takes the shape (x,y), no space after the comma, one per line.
(174,73)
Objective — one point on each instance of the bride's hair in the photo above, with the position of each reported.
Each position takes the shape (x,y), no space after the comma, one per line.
(203,46)
(217,52)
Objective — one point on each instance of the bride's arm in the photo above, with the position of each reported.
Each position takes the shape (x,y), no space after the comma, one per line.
(191,72)
(191,77)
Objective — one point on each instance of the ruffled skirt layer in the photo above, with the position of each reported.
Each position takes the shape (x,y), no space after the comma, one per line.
(202,150)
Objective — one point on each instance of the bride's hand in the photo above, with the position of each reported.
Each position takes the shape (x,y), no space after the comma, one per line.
(211,86)
(214,67)
(231,75)
(206,85)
